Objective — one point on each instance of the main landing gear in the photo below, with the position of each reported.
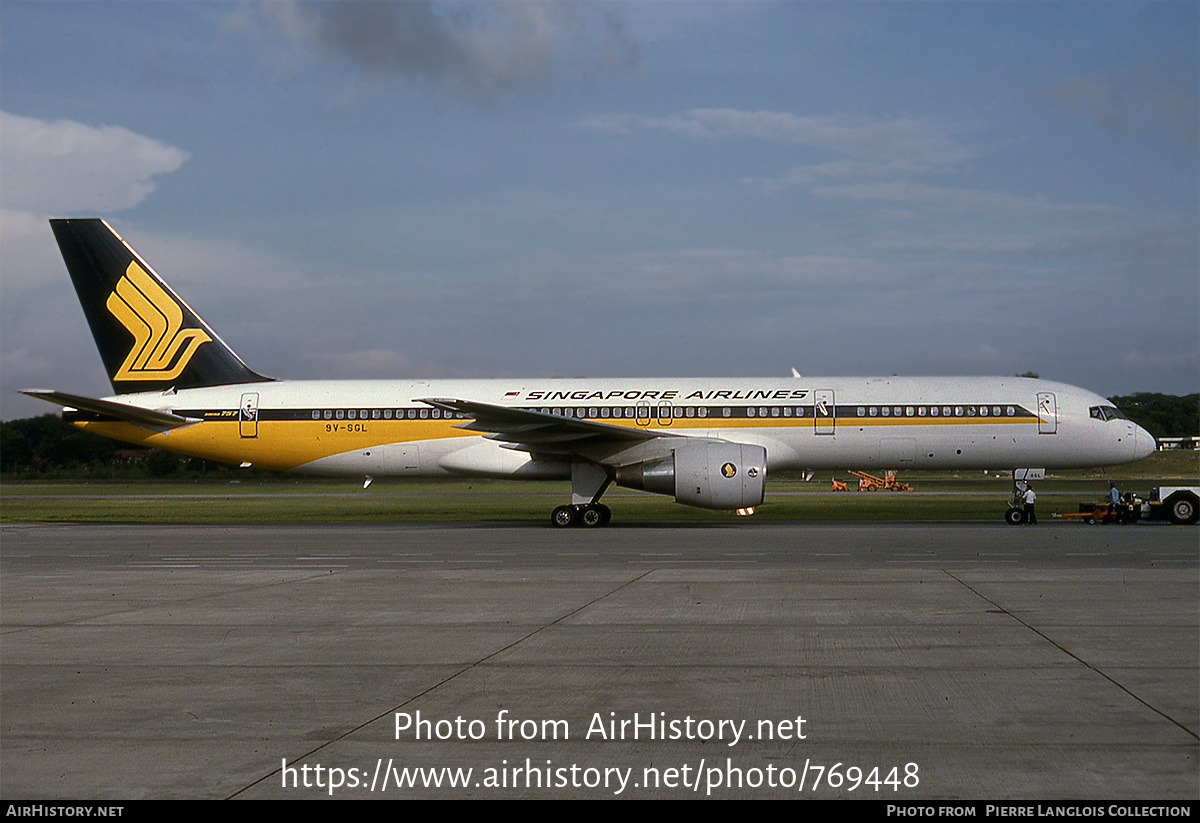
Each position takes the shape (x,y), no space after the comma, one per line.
(588,482)
(588,514)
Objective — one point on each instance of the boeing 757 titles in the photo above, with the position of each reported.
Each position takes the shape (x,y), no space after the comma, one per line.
(706,442)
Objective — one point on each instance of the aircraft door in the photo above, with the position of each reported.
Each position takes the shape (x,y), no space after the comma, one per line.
(666,414)
(642,414)
(1047,412)
(248,415)
(824,411)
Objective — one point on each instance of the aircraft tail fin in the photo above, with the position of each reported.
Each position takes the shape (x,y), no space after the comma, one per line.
(148,338)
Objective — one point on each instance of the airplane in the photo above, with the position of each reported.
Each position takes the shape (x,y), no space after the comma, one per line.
(709,443)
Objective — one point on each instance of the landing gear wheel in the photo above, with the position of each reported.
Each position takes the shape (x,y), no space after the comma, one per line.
(564,516)
(591,516)
(1014,517)
(595,514)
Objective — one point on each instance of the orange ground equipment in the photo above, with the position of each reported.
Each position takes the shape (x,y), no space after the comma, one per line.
(1098,512)
(871,483)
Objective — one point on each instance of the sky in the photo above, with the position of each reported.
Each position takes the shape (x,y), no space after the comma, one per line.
(688,189)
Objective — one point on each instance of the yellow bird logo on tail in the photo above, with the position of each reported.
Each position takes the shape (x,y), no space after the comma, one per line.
(156,323)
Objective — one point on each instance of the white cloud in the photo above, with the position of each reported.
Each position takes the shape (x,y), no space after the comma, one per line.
(902,143)
(60,166)
(803,176)
(963,201)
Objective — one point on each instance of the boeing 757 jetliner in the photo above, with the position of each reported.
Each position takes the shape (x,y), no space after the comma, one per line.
(707,442)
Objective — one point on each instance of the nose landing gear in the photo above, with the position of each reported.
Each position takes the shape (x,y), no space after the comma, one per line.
(1020,508)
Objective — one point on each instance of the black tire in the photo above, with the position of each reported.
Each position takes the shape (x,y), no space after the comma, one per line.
(564,517)
(1182,508)
(594,515)
(1014,517)
(591,516)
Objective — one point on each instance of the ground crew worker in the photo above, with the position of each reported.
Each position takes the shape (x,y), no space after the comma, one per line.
(1030,516)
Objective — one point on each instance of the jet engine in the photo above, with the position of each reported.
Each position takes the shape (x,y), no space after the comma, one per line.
(724,476)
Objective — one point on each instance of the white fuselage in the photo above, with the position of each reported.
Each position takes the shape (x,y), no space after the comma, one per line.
(379,428)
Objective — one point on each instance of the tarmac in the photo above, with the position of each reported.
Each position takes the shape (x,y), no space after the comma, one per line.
(905,661)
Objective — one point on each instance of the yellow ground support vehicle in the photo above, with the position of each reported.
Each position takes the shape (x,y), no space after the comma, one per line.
(1098,512)
(1177,504)
(871,483)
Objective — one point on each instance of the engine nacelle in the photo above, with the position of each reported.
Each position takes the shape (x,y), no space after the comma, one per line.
(723,476)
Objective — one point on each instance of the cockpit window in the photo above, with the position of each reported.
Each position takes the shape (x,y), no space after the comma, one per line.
(1106,413)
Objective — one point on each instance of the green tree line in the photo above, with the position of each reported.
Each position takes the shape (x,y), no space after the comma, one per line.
(46,446)
(1163,415)
(39,445)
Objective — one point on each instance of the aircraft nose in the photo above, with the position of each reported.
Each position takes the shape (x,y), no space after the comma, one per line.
(1143,443)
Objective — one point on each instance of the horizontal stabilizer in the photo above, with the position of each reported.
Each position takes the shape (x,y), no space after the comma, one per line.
(149,418)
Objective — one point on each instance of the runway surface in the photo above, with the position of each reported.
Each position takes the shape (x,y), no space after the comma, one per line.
(880,661)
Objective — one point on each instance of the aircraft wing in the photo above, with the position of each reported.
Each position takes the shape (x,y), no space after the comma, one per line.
(148,418)
(557,436)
